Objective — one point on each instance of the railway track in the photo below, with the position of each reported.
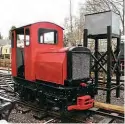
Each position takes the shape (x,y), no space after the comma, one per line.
(7,91)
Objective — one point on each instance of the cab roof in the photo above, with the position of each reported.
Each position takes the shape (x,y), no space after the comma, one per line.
(19,29)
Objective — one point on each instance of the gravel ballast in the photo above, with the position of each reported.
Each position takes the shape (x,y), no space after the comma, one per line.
(18,117)
(101,97)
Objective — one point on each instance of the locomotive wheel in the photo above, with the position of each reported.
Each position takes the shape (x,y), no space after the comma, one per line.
(65,114)
(26,94)
(23,94)
(41,99)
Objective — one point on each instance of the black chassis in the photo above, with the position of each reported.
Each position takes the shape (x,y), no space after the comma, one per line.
(50,94)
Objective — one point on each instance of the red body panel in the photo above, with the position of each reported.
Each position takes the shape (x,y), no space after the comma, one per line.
(50,67)
(13,56)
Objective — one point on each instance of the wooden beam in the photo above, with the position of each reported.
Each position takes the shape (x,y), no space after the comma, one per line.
(115,108)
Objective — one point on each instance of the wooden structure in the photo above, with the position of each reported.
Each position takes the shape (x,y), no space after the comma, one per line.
(95,28)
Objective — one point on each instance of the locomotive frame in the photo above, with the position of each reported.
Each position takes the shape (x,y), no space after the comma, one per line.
(49,73)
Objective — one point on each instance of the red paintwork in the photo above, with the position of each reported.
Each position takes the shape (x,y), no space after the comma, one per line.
(83,103)
(13,56)
(43,61)
(51,67)
(83,84)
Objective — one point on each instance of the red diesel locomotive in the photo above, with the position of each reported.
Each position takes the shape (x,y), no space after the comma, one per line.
(47,72)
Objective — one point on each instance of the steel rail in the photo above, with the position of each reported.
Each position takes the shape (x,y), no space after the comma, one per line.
(114,115)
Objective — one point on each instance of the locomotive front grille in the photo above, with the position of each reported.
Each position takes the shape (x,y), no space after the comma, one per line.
(80,65)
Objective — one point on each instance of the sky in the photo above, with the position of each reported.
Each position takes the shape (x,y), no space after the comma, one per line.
(23,12)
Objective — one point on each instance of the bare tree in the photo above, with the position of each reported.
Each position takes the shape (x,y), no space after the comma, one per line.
(74,32)
(70,35)
(75,36)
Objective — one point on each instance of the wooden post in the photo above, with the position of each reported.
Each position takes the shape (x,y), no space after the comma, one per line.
(96,64)
(109,62)
(117,70)
(115,108)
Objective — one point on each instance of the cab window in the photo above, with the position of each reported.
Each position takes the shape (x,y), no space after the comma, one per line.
(47,36)
(27,37)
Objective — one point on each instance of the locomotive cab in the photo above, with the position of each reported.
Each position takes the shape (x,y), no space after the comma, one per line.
(37,37)
(46,71)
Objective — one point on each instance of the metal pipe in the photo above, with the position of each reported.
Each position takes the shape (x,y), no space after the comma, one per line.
(85,42)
